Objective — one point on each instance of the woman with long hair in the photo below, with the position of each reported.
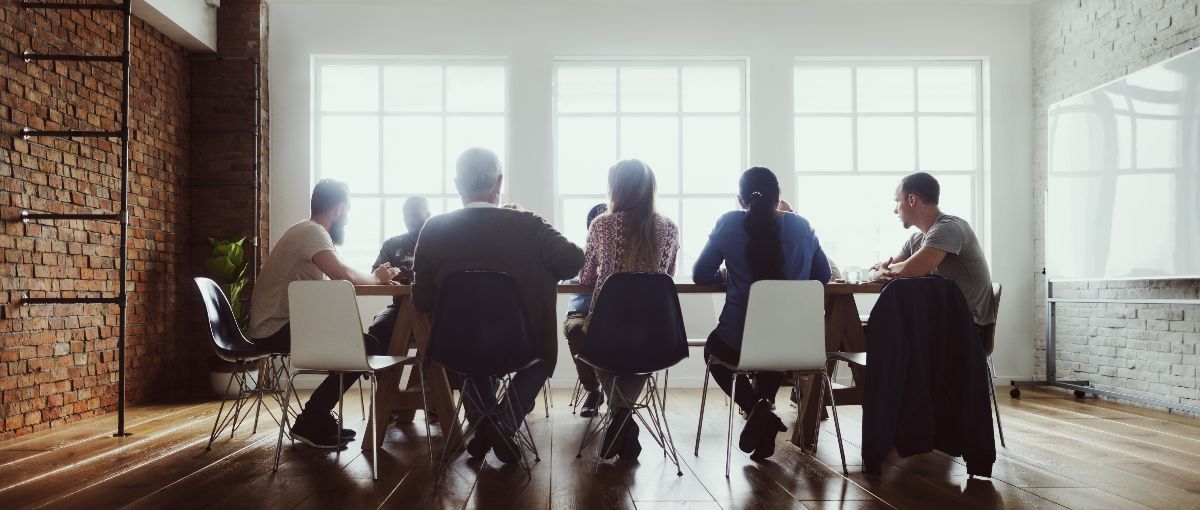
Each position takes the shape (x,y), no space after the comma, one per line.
(630,237)
(759,242)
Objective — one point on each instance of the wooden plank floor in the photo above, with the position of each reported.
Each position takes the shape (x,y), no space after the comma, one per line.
(1062,453)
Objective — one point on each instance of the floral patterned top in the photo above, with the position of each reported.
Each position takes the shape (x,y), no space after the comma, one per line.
(605,249)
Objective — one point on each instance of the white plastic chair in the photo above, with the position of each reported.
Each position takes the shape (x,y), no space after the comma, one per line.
(327,337)
(784,332)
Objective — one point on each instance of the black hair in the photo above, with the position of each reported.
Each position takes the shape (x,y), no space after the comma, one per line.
(597,210)
(759,191)
(923,185)
(328,194)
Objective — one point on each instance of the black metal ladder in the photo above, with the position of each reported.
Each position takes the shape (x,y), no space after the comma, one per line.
(124,7)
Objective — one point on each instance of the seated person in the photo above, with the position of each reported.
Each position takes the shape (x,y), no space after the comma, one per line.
(398,252)
(482,236)
(944,245)
(631,237)
(577,311)
(759,243)
(308,251)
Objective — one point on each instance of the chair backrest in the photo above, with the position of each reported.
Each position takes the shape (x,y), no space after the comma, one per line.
(636,326)
(785,326)
(989,343)
(325,326)
(479,325)
(227,339)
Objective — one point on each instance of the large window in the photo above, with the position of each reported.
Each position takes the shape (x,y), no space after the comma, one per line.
(392,128)
(686,120)
(861,126)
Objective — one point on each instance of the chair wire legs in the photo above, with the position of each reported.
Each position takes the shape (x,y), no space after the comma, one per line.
(995,405)
(649,410)
(836,424)
(703,400)
(503,416)
(266,384)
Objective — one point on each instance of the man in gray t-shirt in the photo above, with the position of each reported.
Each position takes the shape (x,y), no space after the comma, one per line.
(945,246)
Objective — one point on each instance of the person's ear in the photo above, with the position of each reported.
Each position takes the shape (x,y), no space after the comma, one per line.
(499,183)
(457,185)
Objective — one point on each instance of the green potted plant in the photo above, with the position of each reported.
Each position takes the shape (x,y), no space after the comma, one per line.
(226,265)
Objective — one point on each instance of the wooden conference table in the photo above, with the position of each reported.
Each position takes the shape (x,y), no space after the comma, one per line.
(843,332)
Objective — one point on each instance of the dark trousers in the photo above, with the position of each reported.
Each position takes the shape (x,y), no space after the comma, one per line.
(325,397)
(573,329)
(766,383)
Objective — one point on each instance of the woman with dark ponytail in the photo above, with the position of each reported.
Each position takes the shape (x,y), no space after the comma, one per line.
(760,242)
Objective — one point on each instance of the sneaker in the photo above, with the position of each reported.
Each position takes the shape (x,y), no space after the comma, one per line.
(502,443)
(591,404)
(346,434)
(772,426)
(614,435)
(753,431)
(632,447)
(479,445)
(313,433)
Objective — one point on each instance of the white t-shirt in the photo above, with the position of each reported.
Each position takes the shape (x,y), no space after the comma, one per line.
(289,261)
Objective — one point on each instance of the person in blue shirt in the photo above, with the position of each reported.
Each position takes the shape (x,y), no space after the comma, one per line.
(577,310)
(760,242)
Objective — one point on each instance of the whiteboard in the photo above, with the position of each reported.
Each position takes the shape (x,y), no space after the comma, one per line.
(1123,173)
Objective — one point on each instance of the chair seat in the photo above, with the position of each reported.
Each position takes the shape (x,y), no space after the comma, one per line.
(697,342)
(382,362)
(235,356)
(854,358)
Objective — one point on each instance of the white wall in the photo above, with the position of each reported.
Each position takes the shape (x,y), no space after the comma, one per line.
(769,35)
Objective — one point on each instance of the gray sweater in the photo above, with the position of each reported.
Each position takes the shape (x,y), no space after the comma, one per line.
(519,243)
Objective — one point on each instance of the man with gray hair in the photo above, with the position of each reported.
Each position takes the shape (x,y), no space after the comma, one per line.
(484,237)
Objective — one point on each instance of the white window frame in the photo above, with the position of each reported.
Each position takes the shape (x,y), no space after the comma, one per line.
(451,195)
(617,62)
(977,176)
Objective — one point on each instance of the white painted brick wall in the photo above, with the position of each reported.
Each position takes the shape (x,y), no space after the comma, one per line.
(1147,350)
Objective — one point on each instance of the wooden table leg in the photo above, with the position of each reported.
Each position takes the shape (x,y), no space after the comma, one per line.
(413,326)
(841,325)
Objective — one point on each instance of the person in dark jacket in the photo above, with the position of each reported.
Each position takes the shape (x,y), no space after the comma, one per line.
(926,377)
(398,251)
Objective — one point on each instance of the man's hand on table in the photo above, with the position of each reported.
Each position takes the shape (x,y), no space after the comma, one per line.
(384,274)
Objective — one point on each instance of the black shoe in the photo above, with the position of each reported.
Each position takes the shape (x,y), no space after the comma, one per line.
(479,445)
(753,431)
(316,434)
(772,426)
(502,443)
(331,423)
(591,404)
(613,436)
(632,447)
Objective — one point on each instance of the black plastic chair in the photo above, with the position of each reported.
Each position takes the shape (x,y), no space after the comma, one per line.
(480,331)
(230,345)
(636,328)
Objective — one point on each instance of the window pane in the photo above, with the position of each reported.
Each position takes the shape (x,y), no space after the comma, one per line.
(885,89)
(852,216)
(587,89)
(649,89)
(824,144)
(712,154)
(699,217)
(655,141)
(350,151)
(586,149)
(712,89)
(885,144)
(822,89)
(948,143)
(412,155)
(463,133)
(957,197)
(475,88)
(363,238)
(574,219)
(393,215)
(412,88)
(946,89)
(349,88)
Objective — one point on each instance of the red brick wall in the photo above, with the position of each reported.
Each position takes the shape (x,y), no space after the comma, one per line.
(58,363)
